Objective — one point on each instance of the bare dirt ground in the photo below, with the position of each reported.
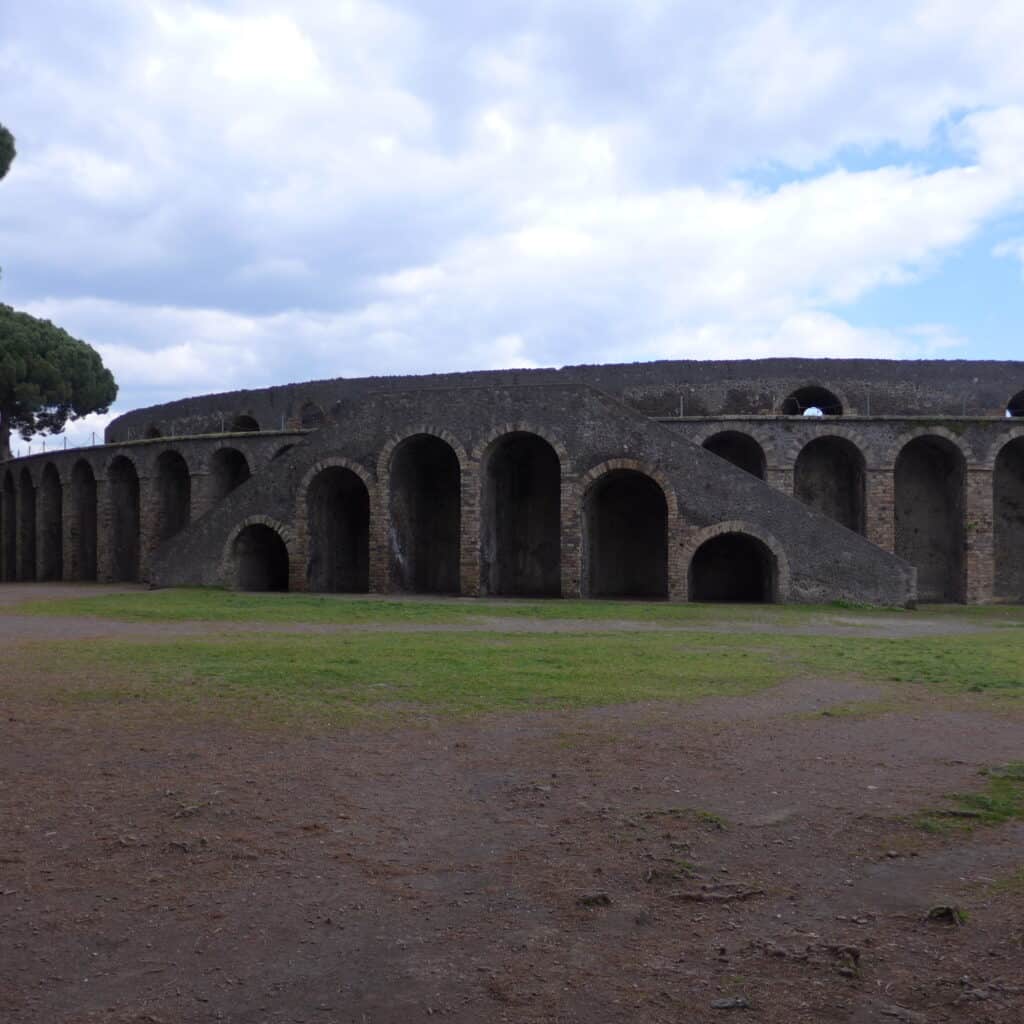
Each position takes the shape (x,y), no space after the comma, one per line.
(737,859)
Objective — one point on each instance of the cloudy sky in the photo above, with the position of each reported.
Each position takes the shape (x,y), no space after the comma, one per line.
(234,194)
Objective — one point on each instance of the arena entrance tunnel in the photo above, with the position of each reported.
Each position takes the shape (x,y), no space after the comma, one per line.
(261,559)
(930,502)
(734,567)
(338,520)
(625,527)
(425,503)
(521,518)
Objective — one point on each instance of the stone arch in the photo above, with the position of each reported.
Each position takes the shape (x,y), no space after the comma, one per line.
(801,400)
(520,520)
(228,469)
(625,514)
(243,423)
(945,433)
(311,415)
(759,560)
(930,476)
(1008,521)
(9,526)
(26,526)
(1015,406)
(1004,438)
(151,432)
(258,555)
(424,495)
(51,524)
(741,449)
(336,495)
(84,521)
(174,494)
(125,519)
(830,476)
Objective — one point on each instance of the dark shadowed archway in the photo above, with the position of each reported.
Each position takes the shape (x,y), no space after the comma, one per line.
(829,476)
(51,525)
(739,449)
(1008,508)
(123,489)
(311,416)
(244,425)
(338,521)
(261,559)
(174,494)
(625,527)
(812,400)
(26,527)
(425,496)
(929,500)
(520,530)
(733,567)
(9,539)
(1015,406)
(228,469)
(83,520)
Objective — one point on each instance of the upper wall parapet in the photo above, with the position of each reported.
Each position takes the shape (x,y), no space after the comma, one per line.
(757,387)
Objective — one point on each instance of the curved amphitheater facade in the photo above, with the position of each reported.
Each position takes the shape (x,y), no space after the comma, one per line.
(769,480)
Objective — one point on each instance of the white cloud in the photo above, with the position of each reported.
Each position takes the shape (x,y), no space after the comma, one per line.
(248,195)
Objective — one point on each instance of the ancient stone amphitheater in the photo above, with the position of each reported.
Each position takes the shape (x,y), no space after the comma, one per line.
(770,480)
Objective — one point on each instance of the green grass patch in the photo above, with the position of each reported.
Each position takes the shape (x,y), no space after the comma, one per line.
(384,673)
(201,604)
(1002,800)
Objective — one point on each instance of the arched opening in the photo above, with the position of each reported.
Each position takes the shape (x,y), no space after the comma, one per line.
(174,494)
(10,529)
(51,525)
(733,567)
(83,522)
(338,517)
(929,504)
(625,526)
(739,449)
(228,469)
(829,476)
(1015,406)
(1008,509)
(244,425)
(152,431)
(123,486)
(26,527)
(311,416)
(261,559)
(425,497)
(521,533)
(812,401)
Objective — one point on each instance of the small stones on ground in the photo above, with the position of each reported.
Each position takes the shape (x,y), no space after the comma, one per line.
(595,899)
(946,914)
(731,1003)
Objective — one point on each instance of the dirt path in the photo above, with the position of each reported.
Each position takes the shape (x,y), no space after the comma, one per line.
(629,864)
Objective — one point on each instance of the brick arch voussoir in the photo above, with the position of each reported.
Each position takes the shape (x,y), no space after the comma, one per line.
(996,447)
(333,462)
(204,461)
(386,453)
(796,446)
(140,470)
(783,574)
(285,532)
(489,441)
(595,473)
(901,442)
(710,430)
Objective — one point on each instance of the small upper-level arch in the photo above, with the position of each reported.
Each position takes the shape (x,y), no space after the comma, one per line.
(1015,406)
(813,400)
(311,415)
(244,424)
